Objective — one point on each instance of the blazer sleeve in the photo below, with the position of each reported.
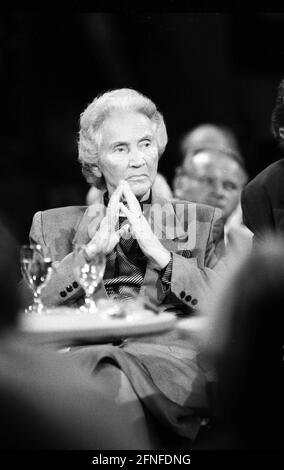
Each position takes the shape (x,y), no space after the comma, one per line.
(62,288)
(192,277)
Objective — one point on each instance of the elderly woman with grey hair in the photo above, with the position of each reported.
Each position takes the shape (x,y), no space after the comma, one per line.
(170,255)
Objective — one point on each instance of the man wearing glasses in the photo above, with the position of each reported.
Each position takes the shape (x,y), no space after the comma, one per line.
(216,177)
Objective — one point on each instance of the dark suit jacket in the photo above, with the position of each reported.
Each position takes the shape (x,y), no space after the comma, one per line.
(192,232)
(263,200)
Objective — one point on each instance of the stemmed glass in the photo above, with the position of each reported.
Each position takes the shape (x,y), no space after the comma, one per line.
(36,268)
(89,271)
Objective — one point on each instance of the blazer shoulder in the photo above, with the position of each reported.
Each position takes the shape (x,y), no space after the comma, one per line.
(274,172)
(59,216)
(276,168)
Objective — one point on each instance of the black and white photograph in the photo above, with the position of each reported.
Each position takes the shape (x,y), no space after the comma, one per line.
(142,233)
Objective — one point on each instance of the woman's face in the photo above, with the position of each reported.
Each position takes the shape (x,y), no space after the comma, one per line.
(128,150)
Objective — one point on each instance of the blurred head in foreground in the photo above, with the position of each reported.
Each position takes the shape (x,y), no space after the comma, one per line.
(9,261)
(245,344)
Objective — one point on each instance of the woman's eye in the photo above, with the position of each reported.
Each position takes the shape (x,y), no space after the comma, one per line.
(120,149)
(146,143)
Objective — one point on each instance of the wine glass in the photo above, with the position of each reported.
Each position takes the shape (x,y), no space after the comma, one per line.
(89,271)
(36,268)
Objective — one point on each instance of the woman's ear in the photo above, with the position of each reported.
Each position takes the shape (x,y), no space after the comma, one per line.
(96,171)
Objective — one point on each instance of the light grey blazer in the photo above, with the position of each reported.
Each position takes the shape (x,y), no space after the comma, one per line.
(192,232)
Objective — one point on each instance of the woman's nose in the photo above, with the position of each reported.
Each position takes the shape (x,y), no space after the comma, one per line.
(136,158)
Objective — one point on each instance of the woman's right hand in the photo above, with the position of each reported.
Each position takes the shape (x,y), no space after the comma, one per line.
(107,237)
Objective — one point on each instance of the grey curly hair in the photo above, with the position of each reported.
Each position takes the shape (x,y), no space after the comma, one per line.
(91,120)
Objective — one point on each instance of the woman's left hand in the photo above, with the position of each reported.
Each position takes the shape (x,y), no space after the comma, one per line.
(141,230)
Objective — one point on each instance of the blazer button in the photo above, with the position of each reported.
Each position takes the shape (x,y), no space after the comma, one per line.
(69,288)
(188,298)
(194,301)
(75,284)
(63,293)
(182,294)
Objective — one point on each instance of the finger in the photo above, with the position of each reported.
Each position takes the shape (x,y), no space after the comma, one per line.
(119,189)
(130,197)
(124,228)
(124,232)
(115,197)
(103,236)
(112,217)
(133,218)
(139,227)
(125,211)
(113,241)
(112,211)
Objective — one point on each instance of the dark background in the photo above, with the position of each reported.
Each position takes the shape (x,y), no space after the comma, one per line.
(197,67)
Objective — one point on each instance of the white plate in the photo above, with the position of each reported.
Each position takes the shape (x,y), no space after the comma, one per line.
(66,324)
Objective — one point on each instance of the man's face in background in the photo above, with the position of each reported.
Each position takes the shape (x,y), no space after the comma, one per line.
(210,178)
